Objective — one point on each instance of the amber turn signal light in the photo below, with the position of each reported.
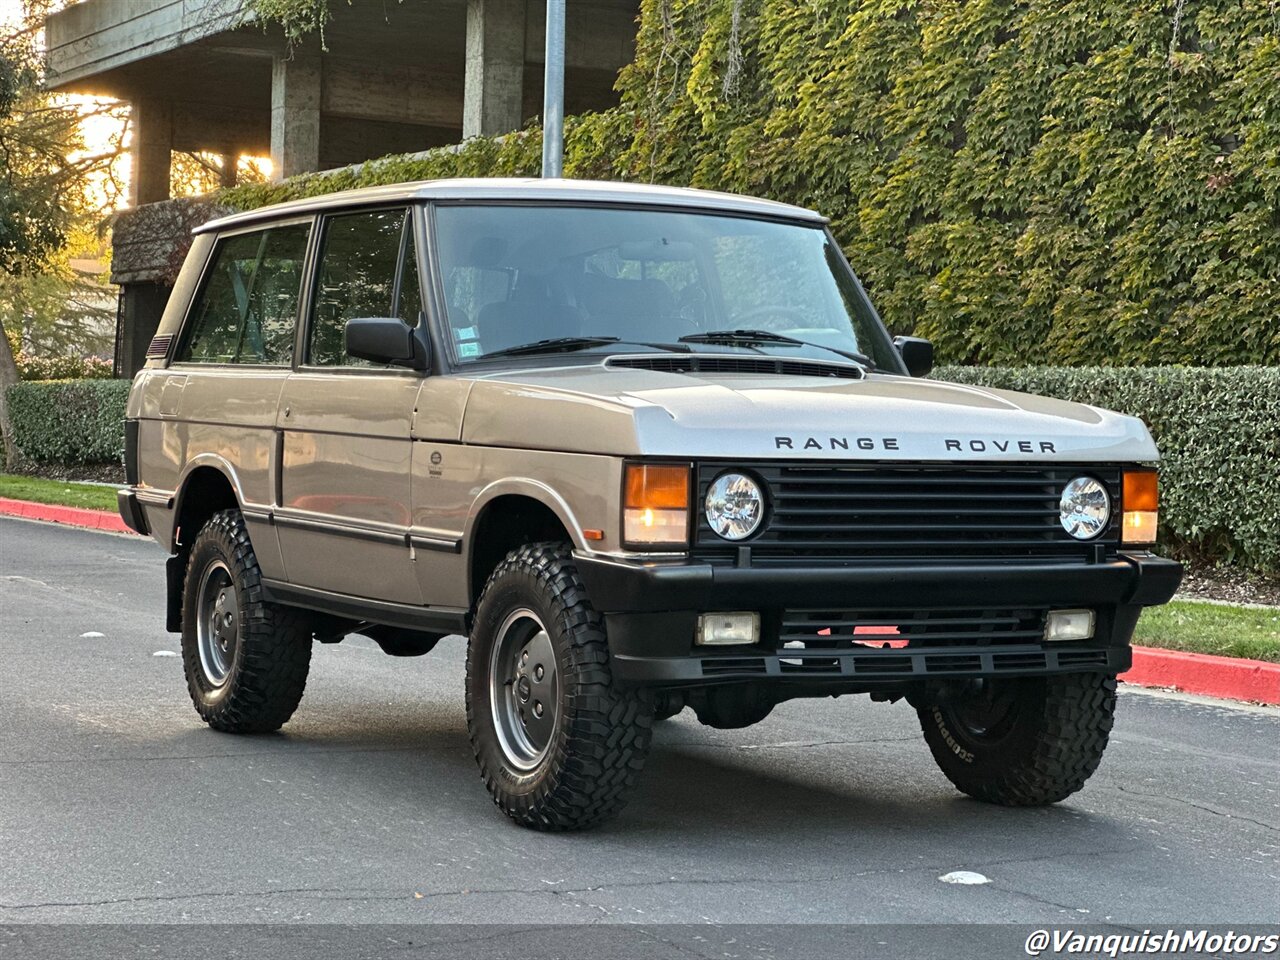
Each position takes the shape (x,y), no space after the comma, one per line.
(656,505)
(1141,502)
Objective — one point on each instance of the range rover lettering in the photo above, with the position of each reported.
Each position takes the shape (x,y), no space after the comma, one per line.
(649,450)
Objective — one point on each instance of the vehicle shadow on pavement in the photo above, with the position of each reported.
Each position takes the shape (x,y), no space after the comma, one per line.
(848,794)
(697,785)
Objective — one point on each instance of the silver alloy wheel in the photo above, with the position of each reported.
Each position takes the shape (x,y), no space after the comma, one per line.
(524,689)
(217,623)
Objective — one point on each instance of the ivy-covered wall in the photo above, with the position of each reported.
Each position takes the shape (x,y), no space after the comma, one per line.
(1023,181)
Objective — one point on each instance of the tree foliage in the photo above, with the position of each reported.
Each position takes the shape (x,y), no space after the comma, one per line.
(1078,181)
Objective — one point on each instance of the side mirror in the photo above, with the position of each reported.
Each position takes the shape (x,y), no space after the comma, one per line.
(385,340)
(916,353)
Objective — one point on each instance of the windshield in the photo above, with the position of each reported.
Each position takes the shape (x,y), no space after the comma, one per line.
(581,277)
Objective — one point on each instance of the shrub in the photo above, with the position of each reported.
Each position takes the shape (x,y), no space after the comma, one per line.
(69,421)
(1219,436)
(62,368)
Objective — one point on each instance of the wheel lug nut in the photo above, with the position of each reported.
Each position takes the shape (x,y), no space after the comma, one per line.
(538,672)
(537,708)
(524,658)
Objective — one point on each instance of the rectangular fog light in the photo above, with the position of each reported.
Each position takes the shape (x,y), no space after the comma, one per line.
(725,629)
(1069,625)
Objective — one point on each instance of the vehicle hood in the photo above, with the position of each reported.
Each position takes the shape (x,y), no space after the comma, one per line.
(635,412)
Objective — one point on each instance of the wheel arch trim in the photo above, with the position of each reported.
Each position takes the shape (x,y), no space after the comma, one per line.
(529,489)
(220,465)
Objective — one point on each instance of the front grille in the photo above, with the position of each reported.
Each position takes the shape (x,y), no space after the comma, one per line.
(884,644)
(697,363)
(906,641)
(847,513)
(895,629)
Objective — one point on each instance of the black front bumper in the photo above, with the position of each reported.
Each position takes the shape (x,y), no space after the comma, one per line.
(651,611)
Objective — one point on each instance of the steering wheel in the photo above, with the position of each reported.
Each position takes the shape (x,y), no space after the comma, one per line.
(666,327)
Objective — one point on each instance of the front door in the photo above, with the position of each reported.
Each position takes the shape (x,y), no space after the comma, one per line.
(345,507)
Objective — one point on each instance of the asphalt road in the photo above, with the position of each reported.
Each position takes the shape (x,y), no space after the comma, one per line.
(118,806)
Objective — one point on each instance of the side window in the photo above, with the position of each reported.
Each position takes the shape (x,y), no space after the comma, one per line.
(367,269)
(247,310)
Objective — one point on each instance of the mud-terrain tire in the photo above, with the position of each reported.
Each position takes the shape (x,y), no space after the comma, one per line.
(1023,742)
(559,745)
(245,674)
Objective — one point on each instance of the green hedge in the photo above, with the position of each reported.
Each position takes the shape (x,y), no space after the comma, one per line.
(1219,437)
(69,421)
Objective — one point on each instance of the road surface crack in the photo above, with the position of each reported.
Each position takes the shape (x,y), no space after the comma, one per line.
(1197,806)
(167,898)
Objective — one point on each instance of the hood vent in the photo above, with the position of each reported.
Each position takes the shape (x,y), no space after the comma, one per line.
(698,363)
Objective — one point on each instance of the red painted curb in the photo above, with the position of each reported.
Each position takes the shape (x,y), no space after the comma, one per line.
(1232,678)
(74,516)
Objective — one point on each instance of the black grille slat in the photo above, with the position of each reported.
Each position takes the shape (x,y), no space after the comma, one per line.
(874,620)
(792,543)
(927,526)
(794,512)
(803,629)
(850,512)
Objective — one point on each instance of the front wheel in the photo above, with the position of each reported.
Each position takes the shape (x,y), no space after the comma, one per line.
(1022,742)
(558,744)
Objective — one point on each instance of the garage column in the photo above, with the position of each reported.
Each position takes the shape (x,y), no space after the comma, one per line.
(152,146)
(493,92)
(295,114)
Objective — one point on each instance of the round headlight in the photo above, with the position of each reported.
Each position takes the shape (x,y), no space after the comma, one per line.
(735,506)
(1085,508)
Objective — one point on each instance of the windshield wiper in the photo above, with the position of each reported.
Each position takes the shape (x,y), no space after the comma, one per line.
(747,338)
(569,344)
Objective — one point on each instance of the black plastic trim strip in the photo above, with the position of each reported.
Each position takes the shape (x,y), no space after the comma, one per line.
(438,544)
(131,451)
(338,529)
(155,498)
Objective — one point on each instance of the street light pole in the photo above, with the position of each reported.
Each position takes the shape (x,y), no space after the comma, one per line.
(553,93)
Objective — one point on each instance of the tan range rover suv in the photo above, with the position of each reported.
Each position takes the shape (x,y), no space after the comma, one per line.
(649,449)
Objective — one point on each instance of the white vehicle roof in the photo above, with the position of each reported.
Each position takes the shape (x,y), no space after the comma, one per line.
(488,189)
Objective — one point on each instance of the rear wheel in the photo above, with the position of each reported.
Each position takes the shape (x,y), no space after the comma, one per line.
(246,660)
(558,744)
(1025,741)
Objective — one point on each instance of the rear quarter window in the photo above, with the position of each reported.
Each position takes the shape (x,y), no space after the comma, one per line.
(246,311)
